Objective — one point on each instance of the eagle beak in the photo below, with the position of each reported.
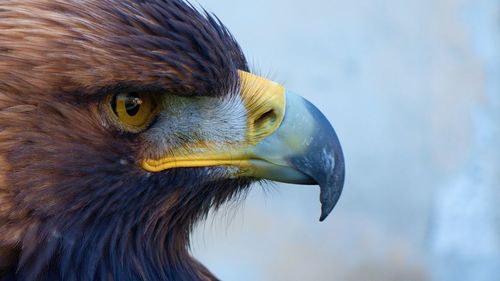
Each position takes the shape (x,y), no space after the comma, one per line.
(303,150)
(288,140)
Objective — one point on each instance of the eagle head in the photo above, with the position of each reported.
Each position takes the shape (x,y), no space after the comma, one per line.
(122,123)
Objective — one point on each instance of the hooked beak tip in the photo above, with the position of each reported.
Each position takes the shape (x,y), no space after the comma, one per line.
(331,189)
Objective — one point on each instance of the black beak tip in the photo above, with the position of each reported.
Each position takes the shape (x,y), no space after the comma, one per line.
(328,204)
(332,188)
(326,209)
(324,215)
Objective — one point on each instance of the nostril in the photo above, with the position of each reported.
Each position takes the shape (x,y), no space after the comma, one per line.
(266,120)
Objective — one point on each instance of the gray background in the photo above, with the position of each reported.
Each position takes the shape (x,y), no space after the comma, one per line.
(412,88)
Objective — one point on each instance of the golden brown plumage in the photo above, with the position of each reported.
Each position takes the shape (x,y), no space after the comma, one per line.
(56,59)
(75,203)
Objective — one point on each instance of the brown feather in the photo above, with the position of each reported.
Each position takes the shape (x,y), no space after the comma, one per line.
(73,203)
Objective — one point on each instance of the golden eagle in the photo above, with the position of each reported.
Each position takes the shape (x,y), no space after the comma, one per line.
(122,123)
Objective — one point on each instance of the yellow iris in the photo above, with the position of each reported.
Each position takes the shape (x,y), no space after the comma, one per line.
(134,110)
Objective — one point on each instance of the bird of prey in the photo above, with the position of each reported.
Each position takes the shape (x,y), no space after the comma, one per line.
(122,124)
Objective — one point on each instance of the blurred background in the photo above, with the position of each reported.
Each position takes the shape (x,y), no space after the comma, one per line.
(413,89)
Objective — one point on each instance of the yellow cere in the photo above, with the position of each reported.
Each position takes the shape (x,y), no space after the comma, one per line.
(265,103)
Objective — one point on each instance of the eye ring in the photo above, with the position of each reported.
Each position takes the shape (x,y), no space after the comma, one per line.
(133,110)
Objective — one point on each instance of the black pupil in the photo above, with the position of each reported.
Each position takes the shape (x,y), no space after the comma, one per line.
(132,104)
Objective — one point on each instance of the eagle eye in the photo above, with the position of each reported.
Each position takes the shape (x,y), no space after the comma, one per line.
(133,110)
